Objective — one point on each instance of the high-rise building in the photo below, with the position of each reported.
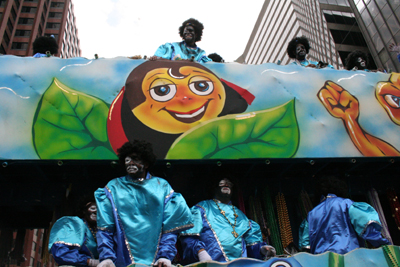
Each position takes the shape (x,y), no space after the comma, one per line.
(22,21)
(344,29)
(281,21)
(379,21)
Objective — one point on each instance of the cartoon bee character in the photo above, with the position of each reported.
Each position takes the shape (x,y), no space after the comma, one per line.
(162,99)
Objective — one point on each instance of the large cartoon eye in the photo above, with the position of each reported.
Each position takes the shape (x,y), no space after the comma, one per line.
(163,93)
(393,101)
(202,87)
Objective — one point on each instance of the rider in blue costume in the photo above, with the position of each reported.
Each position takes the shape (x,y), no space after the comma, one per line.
(298,49)
(222,232)
(191,32)
(45,46)
(339,224)
(139,215)
(73,240)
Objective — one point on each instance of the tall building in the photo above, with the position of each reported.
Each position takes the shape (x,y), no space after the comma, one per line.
(22,21)
(379,21)
(281,21)
(344,29)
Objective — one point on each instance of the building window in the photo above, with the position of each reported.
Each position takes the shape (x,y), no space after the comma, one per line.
(38,264)
(22,33)
(28,9)
(32,261)
(13,13)
(36,232)
(2,50)
(25,21)
(51,25)
(35,1)
(3,3)
(57,5)
(55,14)
(17,3)
(19,46)
(34,246)
(1,15)
(6,37)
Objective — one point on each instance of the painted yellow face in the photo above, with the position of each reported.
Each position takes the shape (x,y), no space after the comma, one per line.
(388,95)
(174,104)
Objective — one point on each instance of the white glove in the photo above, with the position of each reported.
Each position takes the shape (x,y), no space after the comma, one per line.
(93,262)
(204,256)
(163,262)
(268,251)
(106,263)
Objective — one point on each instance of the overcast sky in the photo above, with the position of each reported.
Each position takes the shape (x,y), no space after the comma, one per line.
(112,28)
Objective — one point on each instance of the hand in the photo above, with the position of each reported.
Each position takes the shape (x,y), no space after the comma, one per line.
(153,58)
(268,251)
(338,101)
(204,256)
(162,262)
(92,262)
(394,48)
(311,66)
(106,263)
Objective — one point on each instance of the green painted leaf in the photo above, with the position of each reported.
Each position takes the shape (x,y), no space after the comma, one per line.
(69,124)
(271,133)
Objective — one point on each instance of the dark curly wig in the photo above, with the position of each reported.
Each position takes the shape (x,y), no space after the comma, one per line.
(142,148)
(330,185)
(351,60)
(215,57)
(197,25)
(43,44)
(291,49)
(83,205)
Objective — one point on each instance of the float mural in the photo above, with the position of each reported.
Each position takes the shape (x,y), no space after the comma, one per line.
(77,108)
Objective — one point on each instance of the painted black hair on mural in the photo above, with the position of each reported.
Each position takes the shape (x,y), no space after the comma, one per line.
(351,59)
(215,57)
(291,49)
(142,148)
(43,44)
(197,25)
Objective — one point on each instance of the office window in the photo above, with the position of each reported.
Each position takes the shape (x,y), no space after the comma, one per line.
(19,46)
(13,13)
(51,25)
(35,1)
(3,3)
(23,33)
(55,14)
(31,261)
(38,264)
(2,50)
(6,37)
(1,15)
(34,246)
(57,5)
(28,9)
(25,21)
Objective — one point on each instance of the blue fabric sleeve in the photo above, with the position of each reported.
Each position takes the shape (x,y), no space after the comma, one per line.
(105,226)
(165,51)
(304,235)
(68,255)
(253,240)
(105,245)
(167,247)
(366,223)
(398,57)
(191,246)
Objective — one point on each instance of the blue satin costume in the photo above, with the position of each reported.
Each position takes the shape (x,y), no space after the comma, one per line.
(340,225)
(181,50)
(71,242)
(138,221)
(213,233)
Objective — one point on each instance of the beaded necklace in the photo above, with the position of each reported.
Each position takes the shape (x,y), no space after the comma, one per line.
(93,231)
(234,214)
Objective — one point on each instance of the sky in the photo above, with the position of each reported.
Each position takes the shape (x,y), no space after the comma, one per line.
(112,28)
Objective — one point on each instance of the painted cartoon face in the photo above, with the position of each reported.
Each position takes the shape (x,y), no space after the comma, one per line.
(176,103)
(388,95)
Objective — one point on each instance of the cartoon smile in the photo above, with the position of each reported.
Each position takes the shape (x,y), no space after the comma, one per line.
(190,116)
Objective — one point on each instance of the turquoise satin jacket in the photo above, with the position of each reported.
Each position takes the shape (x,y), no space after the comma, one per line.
(181,50)
(134,219)
(71,242)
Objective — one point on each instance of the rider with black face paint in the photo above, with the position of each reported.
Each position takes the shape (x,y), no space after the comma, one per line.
(221,229)
(190,31)
(73,239)
(139,215)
